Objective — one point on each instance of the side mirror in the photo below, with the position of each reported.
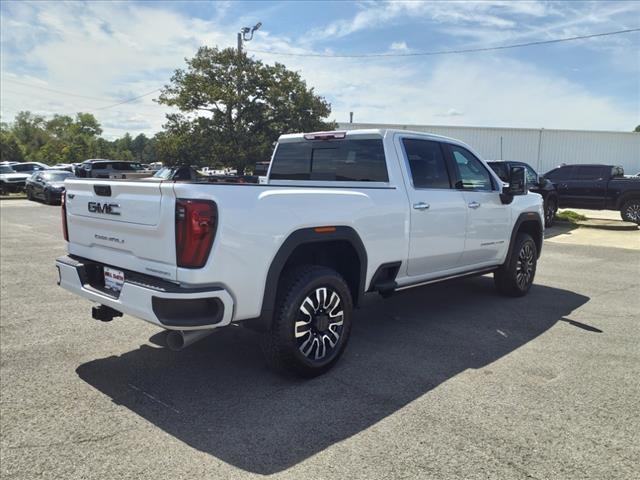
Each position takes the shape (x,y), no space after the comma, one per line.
(517,185)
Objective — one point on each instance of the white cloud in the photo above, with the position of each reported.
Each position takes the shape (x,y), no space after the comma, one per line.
(399,47)
(113,51)
(466,90)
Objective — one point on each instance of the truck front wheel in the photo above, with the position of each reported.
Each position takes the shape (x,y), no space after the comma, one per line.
(630,211)
(515,277)
(312,321)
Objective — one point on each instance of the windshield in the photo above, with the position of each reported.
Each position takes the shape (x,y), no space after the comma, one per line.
(56,176)
(6,169)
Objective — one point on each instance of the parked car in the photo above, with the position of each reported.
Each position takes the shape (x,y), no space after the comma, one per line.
(29,167)
(375,211)
(99,168)
(10,180)
(47,185)
(537,184)
(597,187)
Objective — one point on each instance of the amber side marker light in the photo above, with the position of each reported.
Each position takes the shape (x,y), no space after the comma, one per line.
(324,229)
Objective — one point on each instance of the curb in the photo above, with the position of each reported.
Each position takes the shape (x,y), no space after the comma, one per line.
(608,224)
(600,224)
(9,197)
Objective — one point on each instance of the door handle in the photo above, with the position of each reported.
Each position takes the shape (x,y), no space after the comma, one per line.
(421,206)
(474,205)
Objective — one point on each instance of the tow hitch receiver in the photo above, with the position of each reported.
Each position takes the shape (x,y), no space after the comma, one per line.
(104,313)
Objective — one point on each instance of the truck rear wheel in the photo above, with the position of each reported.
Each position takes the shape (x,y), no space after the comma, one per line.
(630,211)
(312,321)
(515,277)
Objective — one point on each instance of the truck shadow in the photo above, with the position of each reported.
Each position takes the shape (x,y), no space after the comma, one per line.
(218,397)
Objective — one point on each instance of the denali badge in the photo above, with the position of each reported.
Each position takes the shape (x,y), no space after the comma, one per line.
(108,208)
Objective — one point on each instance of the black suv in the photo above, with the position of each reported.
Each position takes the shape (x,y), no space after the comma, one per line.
(537,184)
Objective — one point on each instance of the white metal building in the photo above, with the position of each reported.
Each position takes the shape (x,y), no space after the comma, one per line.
(541,148)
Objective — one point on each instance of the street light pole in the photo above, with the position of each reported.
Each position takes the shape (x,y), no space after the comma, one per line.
(246,34)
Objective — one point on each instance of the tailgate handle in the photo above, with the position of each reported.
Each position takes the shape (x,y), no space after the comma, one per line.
(102,190)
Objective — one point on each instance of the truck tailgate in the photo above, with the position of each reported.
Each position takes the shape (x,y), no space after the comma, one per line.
(124,224)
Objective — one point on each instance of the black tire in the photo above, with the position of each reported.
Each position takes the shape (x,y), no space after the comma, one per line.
(550,209)
(29,193)
(630,211)
(302,347)
(47,197)
(515,277)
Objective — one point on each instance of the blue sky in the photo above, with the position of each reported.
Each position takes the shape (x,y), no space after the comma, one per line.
(65,57)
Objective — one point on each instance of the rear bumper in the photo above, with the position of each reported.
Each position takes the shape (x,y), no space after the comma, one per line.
(159,302)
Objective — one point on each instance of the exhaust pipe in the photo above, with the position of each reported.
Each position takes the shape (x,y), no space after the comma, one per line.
(179,339)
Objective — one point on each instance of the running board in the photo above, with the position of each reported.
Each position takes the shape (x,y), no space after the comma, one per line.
(450,277)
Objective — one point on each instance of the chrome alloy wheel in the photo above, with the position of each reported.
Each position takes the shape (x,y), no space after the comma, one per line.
(524,267)
(633,212)
(319,324)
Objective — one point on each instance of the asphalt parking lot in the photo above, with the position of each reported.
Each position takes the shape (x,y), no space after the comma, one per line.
(448,381)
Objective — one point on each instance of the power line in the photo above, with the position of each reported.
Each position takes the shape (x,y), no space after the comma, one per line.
(129,100)
(55,91)
(447,52)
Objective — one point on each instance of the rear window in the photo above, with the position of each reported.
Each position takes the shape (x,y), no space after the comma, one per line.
(339,160)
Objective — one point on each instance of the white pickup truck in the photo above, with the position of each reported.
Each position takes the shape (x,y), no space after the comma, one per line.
(340,214)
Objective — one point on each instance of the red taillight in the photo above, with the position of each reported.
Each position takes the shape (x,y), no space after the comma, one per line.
(196,222)
(63,211)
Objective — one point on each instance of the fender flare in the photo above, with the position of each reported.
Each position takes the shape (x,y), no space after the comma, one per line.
(294,240)
(525,217)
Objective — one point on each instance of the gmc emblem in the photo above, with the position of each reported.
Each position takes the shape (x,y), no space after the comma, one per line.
(107,208)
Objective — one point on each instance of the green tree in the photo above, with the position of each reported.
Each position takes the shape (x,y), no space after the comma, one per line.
(30,132)
(70,140)
(233,108)
(637,129)
(9,147)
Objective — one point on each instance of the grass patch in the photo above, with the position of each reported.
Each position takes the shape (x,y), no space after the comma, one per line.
(570,216)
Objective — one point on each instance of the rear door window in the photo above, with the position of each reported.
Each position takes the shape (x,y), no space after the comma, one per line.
(561,173)
(427,163)
(589,172)
(339,160)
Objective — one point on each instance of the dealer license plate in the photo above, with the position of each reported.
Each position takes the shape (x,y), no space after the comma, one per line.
(113,279)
